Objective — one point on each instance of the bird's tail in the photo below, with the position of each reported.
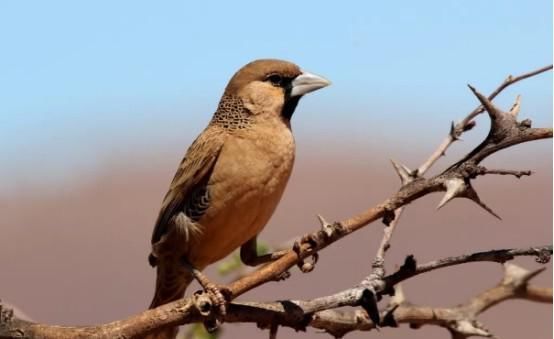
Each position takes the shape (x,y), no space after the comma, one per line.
(171,282)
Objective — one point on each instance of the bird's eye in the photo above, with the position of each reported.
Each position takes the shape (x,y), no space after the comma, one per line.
(275,79)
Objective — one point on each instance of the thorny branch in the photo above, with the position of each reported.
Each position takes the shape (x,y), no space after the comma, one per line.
(320,312)
(461,320)
(468,123)
(455,181)
(375,279)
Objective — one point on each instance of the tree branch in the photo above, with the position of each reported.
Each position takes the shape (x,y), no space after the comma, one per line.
(299,314)
(456,181)
(409,269)
(468,123)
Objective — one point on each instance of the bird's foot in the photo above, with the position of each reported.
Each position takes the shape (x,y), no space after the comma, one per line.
(282,276)
(211,303)
(313,243)
(218,295)
(218,298)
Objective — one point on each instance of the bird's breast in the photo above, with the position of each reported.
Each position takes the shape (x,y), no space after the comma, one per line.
(245,187)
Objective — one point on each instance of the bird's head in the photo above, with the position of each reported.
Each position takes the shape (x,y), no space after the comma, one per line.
(270,87)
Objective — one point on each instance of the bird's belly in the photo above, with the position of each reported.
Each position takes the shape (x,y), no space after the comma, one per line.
(244,193)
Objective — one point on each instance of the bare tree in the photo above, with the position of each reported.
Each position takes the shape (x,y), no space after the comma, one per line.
(461,321)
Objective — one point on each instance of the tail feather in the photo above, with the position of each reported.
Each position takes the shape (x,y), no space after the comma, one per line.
(171,282)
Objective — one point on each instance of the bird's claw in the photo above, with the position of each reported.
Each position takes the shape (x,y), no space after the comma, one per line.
(313,242)
(212,304)
(307,267)
(218,298)
(282,276)
(216,301)
(310,239)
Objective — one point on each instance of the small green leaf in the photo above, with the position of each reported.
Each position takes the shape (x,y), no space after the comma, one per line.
(230,265)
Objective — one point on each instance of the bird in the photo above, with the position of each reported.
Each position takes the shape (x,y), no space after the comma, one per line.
(231,179)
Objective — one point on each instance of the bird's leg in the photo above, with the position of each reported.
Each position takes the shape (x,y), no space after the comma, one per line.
(250,257)
(217,294)
(249,254)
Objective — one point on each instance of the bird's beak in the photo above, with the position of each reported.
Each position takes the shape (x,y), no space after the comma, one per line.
(306,83)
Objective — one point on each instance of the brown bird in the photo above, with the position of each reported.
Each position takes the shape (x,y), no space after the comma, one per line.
(231,179)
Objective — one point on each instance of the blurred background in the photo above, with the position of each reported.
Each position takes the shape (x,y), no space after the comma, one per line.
(99,101)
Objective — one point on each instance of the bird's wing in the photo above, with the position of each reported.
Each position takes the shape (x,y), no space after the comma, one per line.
(195,170)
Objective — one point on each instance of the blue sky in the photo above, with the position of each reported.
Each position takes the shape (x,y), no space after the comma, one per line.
(80,81)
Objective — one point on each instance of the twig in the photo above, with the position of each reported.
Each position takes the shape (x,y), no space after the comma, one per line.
(542,254)
(467,123)
(517,174)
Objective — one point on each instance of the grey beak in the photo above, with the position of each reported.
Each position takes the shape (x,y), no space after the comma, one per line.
(306,83)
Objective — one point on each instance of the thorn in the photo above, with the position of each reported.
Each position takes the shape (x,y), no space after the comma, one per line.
(409,265)
(518,276)
(534,273)
(404,173)
(454,187)
(514,111)
(453,132)
(471,194)
(368,301)
(487,104)
(322,221)
(328,228)
(273,331)
(457,187)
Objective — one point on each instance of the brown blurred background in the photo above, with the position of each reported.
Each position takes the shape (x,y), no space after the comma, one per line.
(75,253)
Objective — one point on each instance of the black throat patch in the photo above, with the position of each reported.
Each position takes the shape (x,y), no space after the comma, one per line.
(290,103)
